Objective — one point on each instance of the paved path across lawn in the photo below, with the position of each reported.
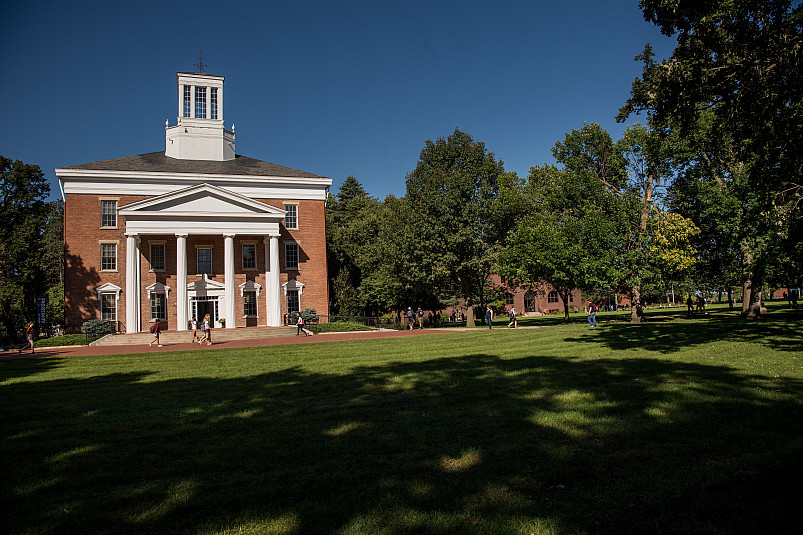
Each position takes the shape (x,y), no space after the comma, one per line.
(67,351)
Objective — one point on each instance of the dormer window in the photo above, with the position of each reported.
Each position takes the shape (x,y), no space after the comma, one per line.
(213,103)
(200,102)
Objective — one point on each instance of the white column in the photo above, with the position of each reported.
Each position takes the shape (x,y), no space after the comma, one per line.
(228,274)
(132,284)
(181,282)
(273,298)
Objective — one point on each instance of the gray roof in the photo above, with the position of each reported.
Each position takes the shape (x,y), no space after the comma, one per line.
(157,162)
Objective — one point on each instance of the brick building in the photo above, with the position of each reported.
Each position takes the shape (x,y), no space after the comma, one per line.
(193,230)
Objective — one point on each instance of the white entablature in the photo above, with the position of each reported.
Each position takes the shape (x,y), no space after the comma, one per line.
(201,209)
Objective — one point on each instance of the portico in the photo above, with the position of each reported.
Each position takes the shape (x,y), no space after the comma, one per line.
(202,210)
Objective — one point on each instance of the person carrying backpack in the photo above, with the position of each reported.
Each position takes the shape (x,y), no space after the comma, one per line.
(155,332)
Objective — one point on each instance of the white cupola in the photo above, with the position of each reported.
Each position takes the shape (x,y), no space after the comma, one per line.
(199,134)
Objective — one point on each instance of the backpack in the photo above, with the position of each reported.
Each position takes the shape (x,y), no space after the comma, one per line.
(153,328)
(594,308)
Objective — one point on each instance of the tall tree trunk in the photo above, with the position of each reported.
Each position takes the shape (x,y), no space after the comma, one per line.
(751,291)
(636,311)
(565,297)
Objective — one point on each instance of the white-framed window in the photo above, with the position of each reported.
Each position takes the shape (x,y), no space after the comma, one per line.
(108,306)
(158,306)
(108,213)
(552,297)
(204,260)
(108,297)
(187,101)
(213,103)
(293,301)
(291,256)
(291,217)
(250,292)
(108,256)
(249,302)
(200,102)
(157,256)
(157,298)
(249,256)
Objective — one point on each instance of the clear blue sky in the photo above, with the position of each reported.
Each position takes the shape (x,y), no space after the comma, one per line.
(332,88)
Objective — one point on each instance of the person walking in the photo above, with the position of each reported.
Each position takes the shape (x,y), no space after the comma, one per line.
(512,315)
(155,331)
(591,310)
(206,327)
(194,329)
(690,306)
(489,316)
(420,314)
(300,326)
(28,338)
(409,317)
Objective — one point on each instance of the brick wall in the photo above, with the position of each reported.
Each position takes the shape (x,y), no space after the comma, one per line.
(83,235)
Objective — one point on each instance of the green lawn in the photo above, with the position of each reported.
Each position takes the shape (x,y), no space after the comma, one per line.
(675,426)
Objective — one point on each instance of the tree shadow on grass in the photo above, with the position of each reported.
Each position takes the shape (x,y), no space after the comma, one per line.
(780,332)
(472,444)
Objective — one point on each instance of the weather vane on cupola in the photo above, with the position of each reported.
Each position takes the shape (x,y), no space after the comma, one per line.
(200,66)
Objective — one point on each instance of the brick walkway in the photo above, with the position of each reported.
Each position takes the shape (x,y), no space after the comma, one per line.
(143,348)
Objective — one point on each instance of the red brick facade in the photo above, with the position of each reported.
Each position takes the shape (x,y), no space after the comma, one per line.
(83,236)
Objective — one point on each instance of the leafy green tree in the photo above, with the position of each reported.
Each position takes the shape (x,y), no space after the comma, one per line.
(23,214)
(352,227)
(732,88)
(452,193)
(568,233)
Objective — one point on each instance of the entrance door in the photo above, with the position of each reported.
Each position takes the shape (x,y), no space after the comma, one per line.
(203,306)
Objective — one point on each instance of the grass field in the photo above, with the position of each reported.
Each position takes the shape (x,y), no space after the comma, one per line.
(674,426)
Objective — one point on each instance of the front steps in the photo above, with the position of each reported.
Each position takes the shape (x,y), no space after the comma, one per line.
(183,337)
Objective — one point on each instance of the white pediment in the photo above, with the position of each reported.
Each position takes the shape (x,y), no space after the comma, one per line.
(199,200)
(201,209)
(108,288)
(205,283)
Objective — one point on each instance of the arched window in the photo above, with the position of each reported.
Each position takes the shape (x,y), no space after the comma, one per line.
(552,297)
(530,302)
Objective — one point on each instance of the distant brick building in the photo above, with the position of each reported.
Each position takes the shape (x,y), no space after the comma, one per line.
(193,230)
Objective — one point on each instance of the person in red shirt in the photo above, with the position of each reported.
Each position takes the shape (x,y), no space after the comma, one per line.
(29,337)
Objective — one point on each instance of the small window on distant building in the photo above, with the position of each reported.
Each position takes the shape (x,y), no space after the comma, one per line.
(108,257)
(293,304)
(291,217)
(204,260)
(249,256)
(200,103)
(291,256)
(213,103)
(508,298)
(157,257)
(552,297)
(108,214)
(249,303)
(187,101)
